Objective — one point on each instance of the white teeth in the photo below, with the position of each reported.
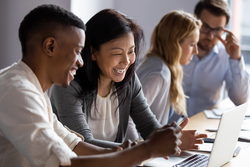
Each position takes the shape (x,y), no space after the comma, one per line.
(119,71)
(73,72)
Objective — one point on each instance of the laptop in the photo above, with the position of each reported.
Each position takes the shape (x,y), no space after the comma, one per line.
(224,143)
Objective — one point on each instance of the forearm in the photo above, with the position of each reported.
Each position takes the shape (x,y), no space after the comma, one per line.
(238,90)
(83,148)
(140,112)
(70,112)
(121,159)
(145,122)
(101,143)
(240,94)
(163,142)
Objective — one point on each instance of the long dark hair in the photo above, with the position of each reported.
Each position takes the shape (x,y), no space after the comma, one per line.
(103,27)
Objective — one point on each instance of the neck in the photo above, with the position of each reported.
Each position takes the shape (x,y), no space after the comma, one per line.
(38,69)
(104,86)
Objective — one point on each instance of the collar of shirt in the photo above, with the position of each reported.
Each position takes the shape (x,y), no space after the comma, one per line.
(32,77)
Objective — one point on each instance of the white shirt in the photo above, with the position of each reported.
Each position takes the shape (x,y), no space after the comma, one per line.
(155,78)
(105,124)
(30,134)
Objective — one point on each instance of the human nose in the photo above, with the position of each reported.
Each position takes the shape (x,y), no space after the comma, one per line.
(80,61)
(126,59)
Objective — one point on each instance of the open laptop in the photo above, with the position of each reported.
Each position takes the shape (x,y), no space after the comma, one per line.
(224,143)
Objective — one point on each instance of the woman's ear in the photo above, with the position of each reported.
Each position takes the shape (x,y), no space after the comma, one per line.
(49,45)
(93,57)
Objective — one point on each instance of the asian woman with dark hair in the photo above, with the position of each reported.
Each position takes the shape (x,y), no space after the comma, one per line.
(106,92)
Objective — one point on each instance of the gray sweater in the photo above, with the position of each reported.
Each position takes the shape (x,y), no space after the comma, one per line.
(71,113)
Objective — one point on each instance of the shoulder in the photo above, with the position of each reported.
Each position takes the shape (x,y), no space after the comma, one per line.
(13,78)
(135,80)
(18,89)
(154,66)
(154,62)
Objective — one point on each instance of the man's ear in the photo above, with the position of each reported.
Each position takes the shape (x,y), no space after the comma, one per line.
(93,57)
(49,45)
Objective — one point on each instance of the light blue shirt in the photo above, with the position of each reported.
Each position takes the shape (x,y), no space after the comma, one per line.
(203,80)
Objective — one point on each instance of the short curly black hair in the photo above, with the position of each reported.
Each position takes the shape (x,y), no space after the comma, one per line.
(48,17)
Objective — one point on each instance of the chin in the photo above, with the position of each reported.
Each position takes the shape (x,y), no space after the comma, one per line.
(118,79)
(207,47)
(185,63)
(66,84)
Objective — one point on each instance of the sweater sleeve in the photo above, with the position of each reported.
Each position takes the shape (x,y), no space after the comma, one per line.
(69,110)
(140,112)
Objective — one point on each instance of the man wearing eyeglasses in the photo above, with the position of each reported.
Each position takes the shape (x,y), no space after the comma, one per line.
(218,60)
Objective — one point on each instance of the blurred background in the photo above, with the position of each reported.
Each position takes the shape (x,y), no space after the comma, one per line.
(147,13)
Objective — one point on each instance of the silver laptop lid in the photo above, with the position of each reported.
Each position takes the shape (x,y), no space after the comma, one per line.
(227,135)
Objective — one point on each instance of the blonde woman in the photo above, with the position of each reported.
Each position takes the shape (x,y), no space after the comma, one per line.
(173,43)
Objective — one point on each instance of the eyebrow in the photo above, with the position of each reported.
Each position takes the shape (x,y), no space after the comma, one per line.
(122,49)
(81,46)
(211,27)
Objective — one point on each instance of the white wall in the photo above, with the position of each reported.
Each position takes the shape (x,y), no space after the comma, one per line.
(146,12)
(85,9)
(149,12)
(12,13)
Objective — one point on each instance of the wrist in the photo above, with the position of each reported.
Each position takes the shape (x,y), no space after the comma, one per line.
(148,149)
(239,58)
(235,57)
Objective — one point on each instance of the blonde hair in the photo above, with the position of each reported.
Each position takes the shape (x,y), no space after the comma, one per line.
(173,28)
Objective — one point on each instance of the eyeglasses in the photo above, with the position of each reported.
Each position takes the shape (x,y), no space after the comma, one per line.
(206,29)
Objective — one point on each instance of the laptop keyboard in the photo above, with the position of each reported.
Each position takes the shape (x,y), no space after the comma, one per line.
(196,160)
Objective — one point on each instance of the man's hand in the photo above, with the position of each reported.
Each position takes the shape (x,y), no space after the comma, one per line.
(190,138)
(165,141)
(232,45)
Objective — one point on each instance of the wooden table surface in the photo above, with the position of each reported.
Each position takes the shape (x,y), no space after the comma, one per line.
(201,123)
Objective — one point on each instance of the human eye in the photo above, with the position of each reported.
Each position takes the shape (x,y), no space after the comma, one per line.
(117,54)
(79,51)
(131,52)
(218,30)
(205,27)
(194,44)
